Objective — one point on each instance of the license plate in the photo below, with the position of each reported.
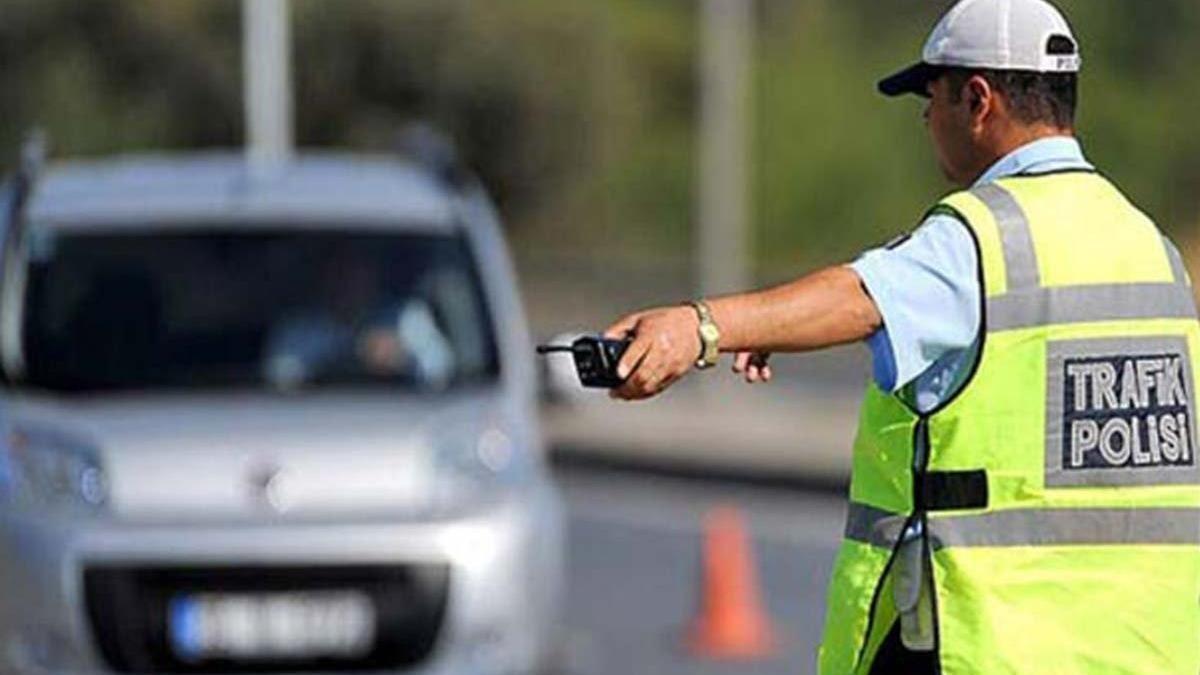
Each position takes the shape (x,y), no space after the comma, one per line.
(271,626)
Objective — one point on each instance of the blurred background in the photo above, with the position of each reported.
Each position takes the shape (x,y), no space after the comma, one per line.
(638,152)
(581,117)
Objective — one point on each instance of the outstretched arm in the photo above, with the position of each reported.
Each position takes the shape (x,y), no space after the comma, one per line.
(823,309)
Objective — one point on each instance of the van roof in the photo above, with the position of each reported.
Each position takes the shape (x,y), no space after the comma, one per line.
(218,189)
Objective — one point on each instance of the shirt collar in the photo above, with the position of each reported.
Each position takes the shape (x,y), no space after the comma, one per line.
(1055,153)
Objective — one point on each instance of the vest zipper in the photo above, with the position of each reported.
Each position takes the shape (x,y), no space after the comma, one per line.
(933,602)
(920,471)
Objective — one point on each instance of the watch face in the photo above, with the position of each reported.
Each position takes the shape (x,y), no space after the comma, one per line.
(709,332)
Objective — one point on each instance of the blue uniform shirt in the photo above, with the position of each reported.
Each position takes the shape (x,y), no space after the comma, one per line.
(927,290)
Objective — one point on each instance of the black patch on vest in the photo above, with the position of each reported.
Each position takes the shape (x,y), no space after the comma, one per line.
(1120,412)
(954,490)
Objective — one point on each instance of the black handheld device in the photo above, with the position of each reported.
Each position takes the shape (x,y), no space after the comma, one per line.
(596,359)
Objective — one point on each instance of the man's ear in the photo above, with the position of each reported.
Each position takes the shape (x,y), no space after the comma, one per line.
(980,98)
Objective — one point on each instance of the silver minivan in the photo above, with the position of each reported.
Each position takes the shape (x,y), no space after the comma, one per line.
(278,421)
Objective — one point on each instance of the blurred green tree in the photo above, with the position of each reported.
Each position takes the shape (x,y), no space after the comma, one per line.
(580,115)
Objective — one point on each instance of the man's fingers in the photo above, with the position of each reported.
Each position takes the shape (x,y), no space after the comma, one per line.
(628,391)
(635,370)
(622,327)
(758,374)
(752,366)
(646,381)
(635,389)
(752,374)
(634,354)
(652,384)
(666,384)
(623,393)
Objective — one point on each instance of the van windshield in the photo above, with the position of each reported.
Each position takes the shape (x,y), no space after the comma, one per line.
(278,309)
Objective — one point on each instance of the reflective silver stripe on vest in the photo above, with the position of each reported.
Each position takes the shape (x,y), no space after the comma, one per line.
(869,525)
(1016,238)
(1178,269)
(1068,527)
(1082,304)
(1027,304)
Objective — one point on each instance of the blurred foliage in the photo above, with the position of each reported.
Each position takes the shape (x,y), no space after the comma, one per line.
(580,115)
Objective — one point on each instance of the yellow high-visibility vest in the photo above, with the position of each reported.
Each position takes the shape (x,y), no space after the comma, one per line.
(1055,498)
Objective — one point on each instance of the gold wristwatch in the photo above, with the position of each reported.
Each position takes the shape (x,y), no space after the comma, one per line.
(710,336)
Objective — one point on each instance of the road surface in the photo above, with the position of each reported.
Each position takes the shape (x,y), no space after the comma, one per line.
(634,568)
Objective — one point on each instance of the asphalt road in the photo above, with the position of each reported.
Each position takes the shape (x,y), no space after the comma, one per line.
(634,568)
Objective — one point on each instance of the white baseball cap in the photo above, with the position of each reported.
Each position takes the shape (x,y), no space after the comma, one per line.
(1024,35)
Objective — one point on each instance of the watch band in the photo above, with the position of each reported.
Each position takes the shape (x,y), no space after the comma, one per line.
(710,336)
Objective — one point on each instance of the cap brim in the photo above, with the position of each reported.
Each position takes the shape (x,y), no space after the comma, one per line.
(912,80)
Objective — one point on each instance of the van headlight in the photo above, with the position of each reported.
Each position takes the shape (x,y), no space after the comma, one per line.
(45,470)
(478,466)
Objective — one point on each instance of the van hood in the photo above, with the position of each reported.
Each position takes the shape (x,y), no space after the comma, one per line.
(270,456)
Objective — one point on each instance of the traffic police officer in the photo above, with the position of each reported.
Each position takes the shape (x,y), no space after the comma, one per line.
(1025,494)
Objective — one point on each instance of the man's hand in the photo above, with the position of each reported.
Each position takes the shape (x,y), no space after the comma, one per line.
(753,366)
(666,343)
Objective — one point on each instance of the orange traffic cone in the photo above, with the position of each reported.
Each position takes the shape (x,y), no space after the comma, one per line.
(731,623)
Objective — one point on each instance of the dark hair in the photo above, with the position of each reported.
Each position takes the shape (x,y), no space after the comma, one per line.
(1049,98)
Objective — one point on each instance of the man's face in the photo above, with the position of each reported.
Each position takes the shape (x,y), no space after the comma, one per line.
(949,123)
